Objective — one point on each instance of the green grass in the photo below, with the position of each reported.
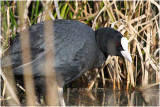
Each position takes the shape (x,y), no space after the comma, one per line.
(87,12)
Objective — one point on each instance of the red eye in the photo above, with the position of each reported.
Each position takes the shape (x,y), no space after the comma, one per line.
(117,43)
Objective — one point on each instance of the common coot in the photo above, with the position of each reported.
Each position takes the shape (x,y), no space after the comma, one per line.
(77,49)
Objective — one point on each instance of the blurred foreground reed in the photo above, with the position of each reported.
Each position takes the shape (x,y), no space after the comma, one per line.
(136,20)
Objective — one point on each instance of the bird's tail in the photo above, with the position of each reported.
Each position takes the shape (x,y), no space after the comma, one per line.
(6,61)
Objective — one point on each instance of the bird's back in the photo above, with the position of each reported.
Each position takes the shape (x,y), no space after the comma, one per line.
(75,49)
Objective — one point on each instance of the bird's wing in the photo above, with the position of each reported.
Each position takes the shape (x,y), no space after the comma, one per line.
(69,38)
(74,49)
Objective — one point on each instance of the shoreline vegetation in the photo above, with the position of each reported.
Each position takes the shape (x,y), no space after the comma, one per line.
(137,20)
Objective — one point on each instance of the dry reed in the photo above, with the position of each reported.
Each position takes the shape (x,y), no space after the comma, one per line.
(136,20)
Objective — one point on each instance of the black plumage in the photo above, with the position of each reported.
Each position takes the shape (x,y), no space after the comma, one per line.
(77,49)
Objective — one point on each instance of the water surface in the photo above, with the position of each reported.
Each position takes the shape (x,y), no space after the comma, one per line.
(108,97)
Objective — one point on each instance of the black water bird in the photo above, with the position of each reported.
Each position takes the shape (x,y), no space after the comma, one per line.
(77,49)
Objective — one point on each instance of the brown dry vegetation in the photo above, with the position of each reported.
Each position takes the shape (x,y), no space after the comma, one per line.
(136,20)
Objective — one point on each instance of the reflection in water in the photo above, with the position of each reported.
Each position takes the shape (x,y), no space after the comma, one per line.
(151,97)
(104,97)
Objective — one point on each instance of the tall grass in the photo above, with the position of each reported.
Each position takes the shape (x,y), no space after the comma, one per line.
(136,20)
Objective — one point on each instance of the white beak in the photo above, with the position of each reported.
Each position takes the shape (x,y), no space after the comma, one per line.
(127,55)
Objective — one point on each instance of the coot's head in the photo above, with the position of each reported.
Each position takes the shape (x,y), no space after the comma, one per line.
(112,42)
